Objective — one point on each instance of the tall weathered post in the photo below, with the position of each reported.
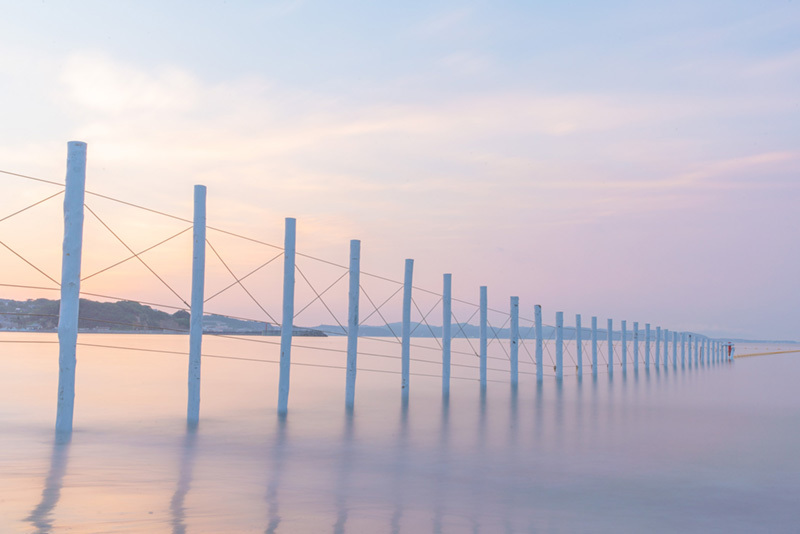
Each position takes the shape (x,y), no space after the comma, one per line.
(447,315)
(697,349)
(594,346)
(666,348)
(198,296)
(559,345)
(70,284)
(624,347)
(537,325)
(354,291)
(674,350)
(610,348)
(647,346)
(405,342)
(658,346)
(287,320)
(683,349)
(635,346)
(484,334)
(579,343)
(514,342)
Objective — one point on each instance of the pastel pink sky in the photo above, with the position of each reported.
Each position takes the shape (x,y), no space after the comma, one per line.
(637,163)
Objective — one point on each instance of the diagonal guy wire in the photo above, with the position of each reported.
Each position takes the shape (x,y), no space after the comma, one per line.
(319,296)
(141,252)
(424,320)
(239,281)
(137,256)
(224,289)
(29,263)
(31,206)
(378,310)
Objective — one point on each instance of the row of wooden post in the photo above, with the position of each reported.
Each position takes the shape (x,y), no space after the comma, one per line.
(70,291)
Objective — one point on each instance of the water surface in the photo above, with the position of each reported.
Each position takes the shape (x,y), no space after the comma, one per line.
(711,448)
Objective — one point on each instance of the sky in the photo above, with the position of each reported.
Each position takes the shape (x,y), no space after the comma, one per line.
(637,161)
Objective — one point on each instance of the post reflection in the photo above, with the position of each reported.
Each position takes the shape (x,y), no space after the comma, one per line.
(177,503)
(41,516)
(276,475)
(399,471)
(343,478)
(443,454)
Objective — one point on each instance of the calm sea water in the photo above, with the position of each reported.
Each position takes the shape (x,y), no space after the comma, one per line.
(709,449)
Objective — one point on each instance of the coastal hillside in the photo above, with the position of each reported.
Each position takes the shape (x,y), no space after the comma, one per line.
(41,315)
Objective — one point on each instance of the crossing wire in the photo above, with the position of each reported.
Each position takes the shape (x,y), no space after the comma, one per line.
(19,286)
(238,281)
(104,321)
(424,319)
(159,212)
(224,289)
(461,329)
(319,296)
(31,178)
(378,309)
(240,236)
(494,336)
(31,206)
(17,254)
(141,252)
(137,256)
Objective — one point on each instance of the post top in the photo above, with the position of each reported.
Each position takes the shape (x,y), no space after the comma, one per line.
(77,144)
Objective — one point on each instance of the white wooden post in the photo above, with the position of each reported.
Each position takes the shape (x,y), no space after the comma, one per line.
(635,346)
(352,323)
(594,346)
(666,348)
(559,345)
(683,349)
(484,336)
(447,314)
(674,350)
(198,296)
(70,284)
(405,351)
(537,322)
(697,350)
(647,346)
(287,320)
(579,343)
(514,342)
(658,346)
(624,347)
(610,348)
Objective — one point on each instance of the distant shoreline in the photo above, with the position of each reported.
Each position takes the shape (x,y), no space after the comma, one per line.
(169,333)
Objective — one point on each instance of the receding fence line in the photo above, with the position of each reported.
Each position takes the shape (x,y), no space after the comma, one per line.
(706,350)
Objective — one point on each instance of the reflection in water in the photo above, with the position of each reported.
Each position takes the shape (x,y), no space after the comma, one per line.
(560,456)
(176,505)
(273,487)
(343,478)
(400,466)
(40,517)
(442,463)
